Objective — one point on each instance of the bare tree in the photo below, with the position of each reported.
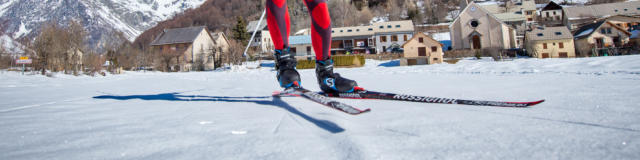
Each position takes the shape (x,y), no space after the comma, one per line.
(166,58)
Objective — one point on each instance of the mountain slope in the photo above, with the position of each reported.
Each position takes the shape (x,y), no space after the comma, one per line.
(101,18)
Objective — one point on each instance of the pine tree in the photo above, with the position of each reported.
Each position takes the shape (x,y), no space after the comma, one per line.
(240,31)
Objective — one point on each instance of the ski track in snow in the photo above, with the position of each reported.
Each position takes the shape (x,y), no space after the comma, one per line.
(591,112)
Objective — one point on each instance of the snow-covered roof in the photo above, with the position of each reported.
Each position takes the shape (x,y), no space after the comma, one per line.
(549,33)
(514,13)
(603,10)
(299,40)
(252,26)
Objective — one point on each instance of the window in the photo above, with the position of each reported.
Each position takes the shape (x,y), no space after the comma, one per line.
(563,55)
(625,9)
(333,31)
(388,26)
(616,10)
(554,13)
(561,45)
(544,45)
(474,23)
(381,27)
(421,40)
(434,49)
(341,31)
(422,51)
(405,37)
(370,29)
(558,33)
(608,30)
(394,38)
(603,31)
(357,30)
(529,12)
(397,26)
(529,19)
(540,34)
(383,38)
(638,8)
(349,30)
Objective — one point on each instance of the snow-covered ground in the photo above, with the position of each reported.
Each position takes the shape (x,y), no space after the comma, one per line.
(592,112)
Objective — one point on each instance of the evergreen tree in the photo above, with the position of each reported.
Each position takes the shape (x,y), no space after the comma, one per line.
(240,31)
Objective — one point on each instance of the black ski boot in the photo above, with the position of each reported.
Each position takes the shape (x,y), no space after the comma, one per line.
(286,66)
(332,82)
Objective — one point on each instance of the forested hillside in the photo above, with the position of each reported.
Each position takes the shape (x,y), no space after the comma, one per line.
(222,15)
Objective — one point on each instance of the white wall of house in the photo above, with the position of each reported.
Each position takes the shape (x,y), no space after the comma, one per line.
(553,49)
(492,32)
(303,50)
(201,49)
(381,46)
(551,15)
(266,44)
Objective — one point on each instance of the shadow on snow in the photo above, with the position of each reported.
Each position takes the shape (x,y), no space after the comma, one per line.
(275,101)
(392,63)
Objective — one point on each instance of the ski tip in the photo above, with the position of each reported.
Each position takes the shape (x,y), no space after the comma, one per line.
(362,111)
(536,102)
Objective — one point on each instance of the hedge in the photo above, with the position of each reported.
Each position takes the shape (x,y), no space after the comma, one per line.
(338,61)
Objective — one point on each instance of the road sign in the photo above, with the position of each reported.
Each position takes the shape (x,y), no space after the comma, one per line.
(23,61)
(24,58)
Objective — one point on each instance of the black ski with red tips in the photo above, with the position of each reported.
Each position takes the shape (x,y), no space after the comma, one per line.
(363,94)
(321,99)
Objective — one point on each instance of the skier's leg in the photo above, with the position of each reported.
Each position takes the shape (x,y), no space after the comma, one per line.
(321,41)
(278,24)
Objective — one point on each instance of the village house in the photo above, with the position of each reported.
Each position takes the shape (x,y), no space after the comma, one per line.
(477,28)
(422,49)
(262,41)
(512,12)
(220,41)
(75,58)
(375,38)
(577,16)
(301,46)
(550,42)
(194,44)
(635,39)
(598,39)
(625,22)
(518,14)
(551,15)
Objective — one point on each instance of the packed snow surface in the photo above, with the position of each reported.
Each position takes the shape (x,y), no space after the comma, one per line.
(591,112)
